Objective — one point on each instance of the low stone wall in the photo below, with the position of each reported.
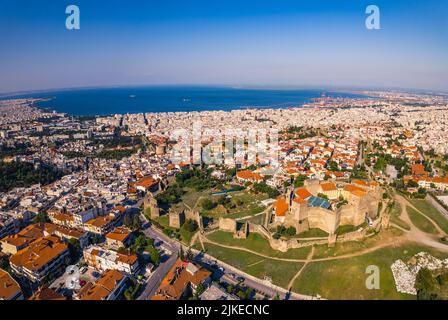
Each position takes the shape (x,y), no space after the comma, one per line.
(280,244)
(260,230)
(228,225)
(353,236)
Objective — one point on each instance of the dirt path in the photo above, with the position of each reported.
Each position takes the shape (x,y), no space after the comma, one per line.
(415,234)
(405,203)
(343,256)
(197,236)
(308,259)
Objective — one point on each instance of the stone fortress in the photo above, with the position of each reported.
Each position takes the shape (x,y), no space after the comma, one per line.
(327,206)
(324,205)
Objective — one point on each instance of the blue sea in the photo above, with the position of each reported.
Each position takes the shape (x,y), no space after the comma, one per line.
(119,100)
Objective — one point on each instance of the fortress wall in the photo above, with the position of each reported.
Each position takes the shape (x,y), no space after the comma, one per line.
(299,211)
(195,216)
(353,236)
(177,219)
(256,228)
(323,219)
(228,225)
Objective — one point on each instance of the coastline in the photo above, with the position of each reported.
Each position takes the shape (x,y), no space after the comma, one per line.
(158,99)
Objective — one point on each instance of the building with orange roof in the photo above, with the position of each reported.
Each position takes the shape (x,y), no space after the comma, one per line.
(47,294)
(439,183)
(418,170)
(329,189)
(248,176)
(109,286)
(62,219)
(181,281)
(100,225)
(120,237)
(302,193)
(280,208)
(40,258)
(351,190)
(366,185)
(103,259)
(9,288)
(66,234)
(147,184)
(13,243)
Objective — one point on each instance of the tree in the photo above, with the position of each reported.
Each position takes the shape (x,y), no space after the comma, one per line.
(199,290)
(181,253)
(299,181)
(412,184)
(127,220)
(188,256)
(245,294)
(136,223)
(322,195)
(74,248)
(291,231)
(41,218)
(208,204)
(190,225)
(154,255)
(425,285)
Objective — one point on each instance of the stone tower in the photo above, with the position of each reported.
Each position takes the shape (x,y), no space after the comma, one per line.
(177,219)
(150,203)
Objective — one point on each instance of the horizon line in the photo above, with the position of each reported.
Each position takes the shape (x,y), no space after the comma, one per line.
(229,86)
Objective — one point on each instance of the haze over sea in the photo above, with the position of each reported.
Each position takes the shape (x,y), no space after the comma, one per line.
(120,100)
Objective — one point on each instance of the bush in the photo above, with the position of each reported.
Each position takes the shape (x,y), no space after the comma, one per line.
(264,188)
(190,225)
(208,204)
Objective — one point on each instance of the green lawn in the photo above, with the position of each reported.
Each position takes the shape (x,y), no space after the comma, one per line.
(429,210)
(257,243)
(186,236)
(342,248)
(313,233)
(421,222)
(348,228)
(345,278)
(249,205)
(164,221)
(255,219)
(280,272)
(395,213)
(189,199)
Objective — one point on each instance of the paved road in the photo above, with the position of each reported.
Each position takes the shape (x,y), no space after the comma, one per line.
(441,209)
(228,274)
(156,278)
(162,242)
(261,286)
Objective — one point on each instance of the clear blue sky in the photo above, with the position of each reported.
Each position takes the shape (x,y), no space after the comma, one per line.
(232,42)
